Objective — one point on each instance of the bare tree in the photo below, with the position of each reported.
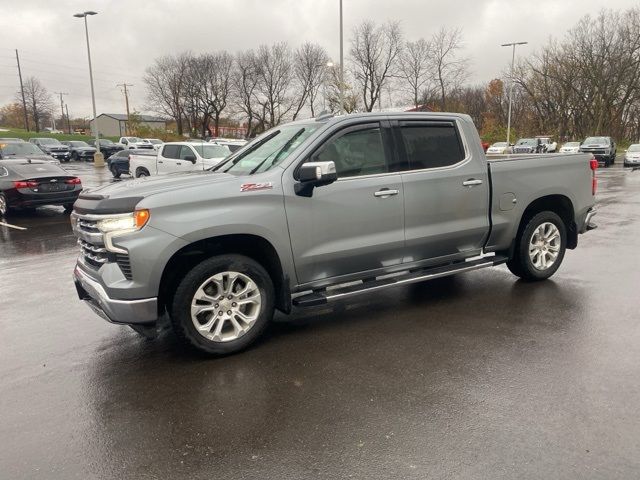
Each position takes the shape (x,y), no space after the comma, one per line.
(274,68)
(350,98)
(415,68)
(166,82)
(310,71)
(211,79)
(38,99)
(245,85)
(374,58)
(449,69)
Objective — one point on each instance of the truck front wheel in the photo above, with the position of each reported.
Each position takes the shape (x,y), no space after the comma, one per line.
(223,304)
(539,248)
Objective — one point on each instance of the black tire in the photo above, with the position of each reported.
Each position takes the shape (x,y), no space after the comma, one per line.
(68,208)
(180,308)
(521,263)
(4,205)
(115,172)
(74,156)
(142,172)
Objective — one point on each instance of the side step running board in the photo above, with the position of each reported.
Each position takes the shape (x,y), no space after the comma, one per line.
(325,296)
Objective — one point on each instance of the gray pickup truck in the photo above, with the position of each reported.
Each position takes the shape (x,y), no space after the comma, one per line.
(319,210)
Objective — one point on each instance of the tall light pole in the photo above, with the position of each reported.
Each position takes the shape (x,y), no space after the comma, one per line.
(513,59)
(98,158)
(341,64)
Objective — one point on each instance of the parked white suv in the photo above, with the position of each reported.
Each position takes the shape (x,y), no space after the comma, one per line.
(134,142)
(178,157)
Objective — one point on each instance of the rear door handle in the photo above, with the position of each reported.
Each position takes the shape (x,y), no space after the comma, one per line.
(160,161)
(472,182)
(178,163)
(385,192)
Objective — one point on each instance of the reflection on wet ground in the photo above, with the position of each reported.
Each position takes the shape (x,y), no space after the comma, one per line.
(473,376)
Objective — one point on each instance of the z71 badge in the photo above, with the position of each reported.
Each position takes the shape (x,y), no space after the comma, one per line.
(249,187)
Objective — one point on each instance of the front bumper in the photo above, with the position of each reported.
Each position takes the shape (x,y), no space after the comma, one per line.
(141,311)
(61,155)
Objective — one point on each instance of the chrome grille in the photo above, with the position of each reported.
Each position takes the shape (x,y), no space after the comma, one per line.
(94,255)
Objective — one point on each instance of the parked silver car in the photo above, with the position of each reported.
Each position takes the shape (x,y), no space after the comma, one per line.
(632,156)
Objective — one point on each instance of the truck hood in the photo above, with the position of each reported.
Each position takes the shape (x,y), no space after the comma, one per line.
(123,197)
(146,186)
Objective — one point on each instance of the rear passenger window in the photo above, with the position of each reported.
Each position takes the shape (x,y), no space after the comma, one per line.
(171,151)
(431,146)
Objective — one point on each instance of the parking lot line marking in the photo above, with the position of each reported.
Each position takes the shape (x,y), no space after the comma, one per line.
(12,226)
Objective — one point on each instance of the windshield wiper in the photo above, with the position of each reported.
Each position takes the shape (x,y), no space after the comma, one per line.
(284,148)
(235,159)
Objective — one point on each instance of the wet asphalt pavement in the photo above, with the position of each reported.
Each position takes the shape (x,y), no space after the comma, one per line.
(477,376)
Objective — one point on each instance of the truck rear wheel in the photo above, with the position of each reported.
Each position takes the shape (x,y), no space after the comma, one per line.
(223,304)
(142,172)
(540,247)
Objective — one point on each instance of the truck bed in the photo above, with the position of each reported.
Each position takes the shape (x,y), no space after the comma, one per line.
(518,180)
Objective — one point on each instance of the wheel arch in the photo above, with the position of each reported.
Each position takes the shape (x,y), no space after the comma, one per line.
(559,204)
(253,246)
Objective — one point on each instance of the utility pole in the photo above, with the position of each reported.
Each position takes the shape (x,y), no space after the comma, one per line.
(66,107)
(513,59)
(24,102)
(62,107)
(124,85)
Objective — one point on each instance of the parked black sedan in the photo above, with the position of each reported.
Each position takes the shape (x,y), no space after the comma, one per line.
(20,149)
(107,147)
(31,183)
(80,150)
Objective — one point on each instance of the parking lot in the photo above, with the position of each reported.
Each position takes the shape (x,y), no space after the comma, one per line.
(473,376)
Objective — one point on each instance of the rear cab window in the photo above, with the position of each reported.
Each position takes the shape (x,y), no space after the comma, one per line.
(430,144)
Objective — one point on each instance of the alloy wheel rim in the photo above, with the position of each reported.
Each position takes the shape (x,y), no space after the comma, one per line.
(226,306)
(544,246)
(3,205)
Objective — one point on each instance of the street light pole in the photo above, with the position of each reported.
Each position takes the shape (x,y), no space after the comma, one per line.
(340,90)
(98,158)
(513,59)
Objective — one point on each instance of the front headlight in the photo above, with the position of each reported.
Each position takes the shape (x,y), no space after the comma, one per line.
(125,223)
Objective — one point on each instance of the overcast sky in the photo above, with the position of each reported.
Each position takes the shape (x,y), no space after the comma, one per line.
(127,35)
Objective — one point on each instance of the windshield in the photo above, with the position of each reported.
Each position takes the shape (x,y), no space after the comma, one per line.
(133,140)
(268,150)
(20,149)
(526,141)
(49,141)
(154,141)
(79,144)
(212,151)
(596,140)
(104,141)
(499,144)
(634,148)
(572,144)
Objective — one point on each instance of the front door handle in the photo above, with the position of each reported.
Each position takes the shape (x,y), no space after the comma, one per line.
(472,182)
(178,163)
(385,192)
(160,161)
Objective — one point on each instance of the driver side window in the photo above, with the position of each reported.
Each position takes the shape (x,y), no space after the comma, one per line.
(185,152)
(355,153)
